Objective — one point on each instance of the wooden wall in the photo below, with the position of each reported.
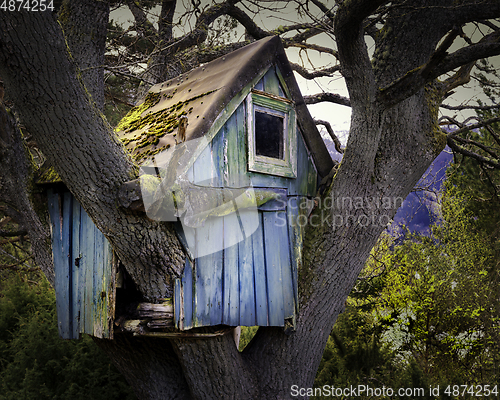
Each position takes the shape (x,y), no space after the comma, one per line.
(84,274)
(253,281)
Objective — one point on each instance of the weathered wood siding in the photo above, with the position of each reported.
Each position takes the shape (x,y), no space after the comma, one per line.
(84,274)
(252,281)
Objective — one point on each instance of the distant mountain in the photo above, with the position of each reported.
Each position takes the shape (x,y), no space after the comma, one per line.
(420,209)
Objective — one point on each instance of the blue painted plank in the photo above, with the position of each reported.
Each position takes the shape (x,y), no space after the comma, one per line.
(297,215)
(271,83)
(273,254)
(76,271)
(246,277)
(187,292)
(203,168)
(299,185)
(99,306)
(63,277)
(286,269)
(190,235)
(55,211)
(178,303)
(260,280)
(217,145)
(109,289)
(236,150)
(231,314)
(208,238)
(202,292)
(87,248)
(216,303)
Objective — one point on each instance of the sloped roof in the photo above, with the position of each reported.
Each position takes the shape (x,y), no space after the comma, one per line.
(203,94)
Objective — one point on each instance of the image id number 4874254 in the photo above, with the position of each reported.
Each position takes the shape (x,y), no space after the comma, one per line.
(27,5)
(472,390)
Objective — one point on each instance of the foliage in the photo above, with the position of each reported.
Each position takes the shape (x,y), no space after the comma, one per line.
(425,311)
(247,334)
(35,363)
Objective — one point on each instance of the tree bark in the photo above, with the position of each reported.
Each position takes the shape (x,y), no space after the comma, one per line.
(85,23)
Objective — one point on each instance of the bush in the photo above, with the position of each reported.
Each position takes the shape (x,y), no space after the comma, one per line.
(35,363)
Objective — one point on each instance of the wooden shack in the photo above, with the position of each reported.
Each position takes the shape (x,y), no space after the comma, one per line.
(248,131)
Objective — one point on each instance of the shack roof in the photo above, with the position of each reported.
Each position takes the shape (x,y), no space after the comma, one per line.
(203,94)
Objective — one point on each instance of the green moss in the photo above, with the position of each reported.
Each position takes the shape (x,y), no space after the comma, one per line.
(49,176)
(151,126)
(136,113)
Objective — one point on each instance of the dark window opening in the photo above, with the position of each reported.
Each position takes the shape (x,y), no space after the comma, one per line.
(269,135)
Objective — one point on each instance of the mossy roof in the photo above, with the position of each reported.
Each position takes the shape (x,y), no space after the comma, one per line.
(203,93)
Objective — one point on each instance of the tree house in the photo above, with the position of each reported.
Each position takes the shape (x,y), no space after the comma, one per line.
(230,154)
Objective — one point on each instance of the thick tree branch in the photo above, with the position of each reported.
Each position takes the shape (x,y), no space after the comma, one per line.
(487,47)
(17,188)
(457,143)
(328,97)
(251,27)
(332,134)
(22,232)
(480,124)
(465,11)
(85,25)
(166,21)
(315,74)
(470,107)
(165,54)
(495,163)
(438,65)
(353,54)
(288,28)
(142,24)
(310,46)
(459,78)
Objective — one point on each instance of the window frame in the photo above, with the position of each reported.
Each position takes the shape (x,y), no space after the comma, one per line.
(280,107)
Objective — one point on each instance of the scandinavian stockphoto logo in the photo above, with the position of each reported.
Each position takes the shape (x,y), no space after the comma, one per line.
(181,184)
(212,217)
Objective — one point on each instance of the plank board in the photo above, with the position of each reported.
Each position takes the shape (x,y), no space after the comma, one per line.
(246,278)
(272,83)
(55,212)
(274,257)
(231,292)
(259,266)
(76,271)
(83,264)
